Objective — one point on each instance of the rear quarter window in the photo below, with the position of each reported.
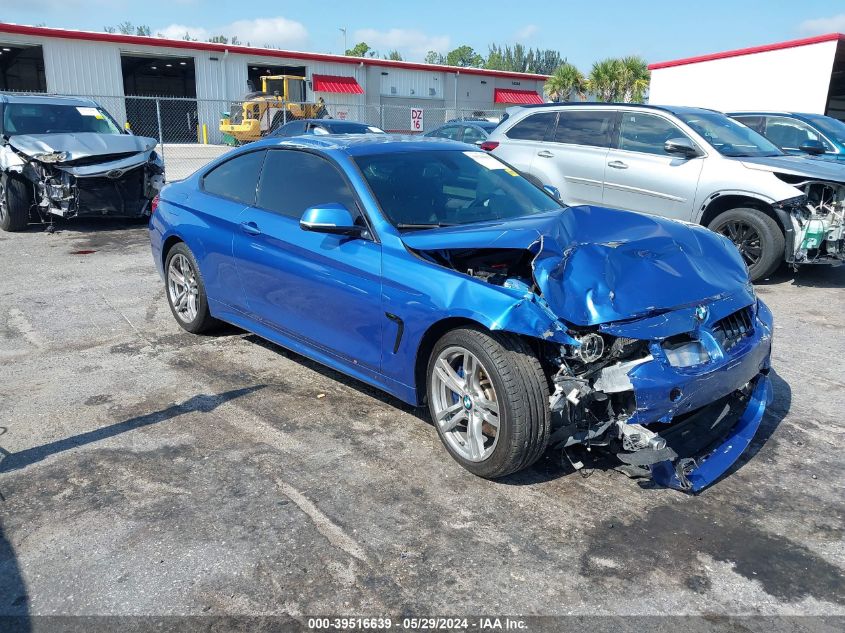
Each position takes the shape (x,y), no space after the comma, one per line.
(533,128)
(236,179)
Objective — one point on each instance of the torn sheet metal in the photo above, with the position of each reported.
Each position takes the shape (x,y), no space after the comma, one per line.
(595,265)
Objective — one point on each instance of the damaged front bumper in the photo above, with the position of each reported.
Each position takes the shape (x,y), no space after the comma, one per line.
(686,411)
(739,416)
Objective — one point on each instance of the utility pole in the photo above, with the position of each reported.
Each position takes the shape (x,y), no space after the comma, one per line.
(343,30)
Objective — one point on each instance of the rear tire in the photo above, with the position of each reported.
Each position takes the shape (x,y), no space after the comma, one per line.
(497,421)
(186,291)
(757,236)
(15,201)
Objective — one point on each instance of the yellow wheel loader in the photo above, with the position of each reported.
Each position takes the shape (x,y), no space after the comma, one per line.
(281,99)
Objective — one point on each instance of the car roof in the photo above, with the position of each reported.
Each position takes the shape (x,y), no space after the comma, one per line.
(603,104)
(335,122)
(365,144)
(55,99)
(771,113)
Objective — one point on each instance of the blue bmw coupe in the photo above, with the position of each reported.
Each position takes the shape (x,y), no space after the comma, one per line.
(434,271)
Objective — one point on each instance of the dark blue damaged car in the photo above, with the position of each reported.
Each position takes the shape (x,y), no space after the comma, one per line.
(437,273)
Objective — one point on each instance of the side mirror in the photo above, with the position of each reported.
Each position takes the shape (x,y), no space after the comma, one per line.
(554,192)
(813,147)
(682,147)
(329,218)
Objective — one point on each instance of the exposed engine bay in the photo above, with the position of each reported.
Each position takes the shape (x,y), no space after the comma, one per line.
(596,398)
(818,221)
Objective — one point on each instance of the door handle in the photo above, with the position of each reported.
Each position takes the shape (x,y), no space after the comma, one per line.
(250,228)
(545,154)
(617,164)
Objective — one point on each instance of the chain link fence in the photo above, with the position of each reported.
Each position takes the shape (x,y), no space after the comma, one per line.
(192,132)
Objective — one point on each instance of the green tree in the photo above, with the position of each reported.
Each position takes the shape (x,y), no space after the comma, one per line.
(547,61)
(143,30)
(361,49)
(564,82)
(636,79)
(218,39)
(606,80)
(465,57)
(433,57)
(394,55)
(127,28)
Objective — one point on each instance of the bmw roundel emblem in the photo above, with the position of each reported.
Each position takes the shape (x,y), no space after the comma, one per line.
(467,403)
(701,313)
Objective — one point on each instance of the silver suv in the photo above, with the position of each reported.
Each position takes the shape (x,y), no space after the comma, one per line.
(690,164)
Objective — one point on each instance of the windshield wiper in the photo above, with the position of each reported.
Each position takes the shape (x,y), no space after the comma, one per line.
(431,225)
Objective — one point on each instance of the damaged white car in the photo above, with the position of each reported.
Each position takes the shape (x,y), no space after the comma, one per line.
(67,157)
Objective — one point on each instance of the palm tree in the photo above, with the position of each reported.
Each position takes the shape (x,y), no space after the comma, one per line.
(564,81)
(606,80)
(636,78)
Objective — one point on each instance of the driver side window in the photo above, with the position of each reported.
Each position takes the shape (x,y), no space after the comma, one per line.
(646,133)
(292,181)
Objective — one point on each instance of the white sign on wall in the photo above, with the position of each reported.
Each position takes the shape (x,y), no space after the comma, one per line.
(341,113)
(416,120)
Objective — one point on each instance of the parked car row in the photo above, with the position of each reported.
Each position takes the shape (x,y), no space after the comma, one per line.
(690,164)
(493,273)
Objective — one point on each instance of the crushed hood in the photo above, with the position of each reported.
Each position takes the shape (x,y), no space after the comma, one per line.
(82,145)
(595,265)
(797,166)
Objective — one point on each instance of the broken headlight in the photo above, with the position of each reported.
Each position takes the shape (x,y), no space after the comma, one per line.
(52,157)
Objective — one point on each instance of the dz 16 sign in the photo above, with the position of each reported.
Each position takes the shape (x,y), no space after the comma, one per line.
(416,120)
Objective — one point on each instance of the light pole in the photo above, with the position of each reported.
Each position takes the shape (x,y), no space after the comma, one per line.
(343,30)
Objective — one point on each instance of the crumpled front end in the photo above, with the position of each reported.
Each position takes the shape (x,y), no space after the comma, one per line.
(118,176)
(683,404)
(648,329)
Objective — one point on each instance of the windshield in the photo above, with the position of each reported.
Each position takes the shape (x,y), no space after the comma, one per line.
(51,118)
(830,127)
(729,137)
(425,189)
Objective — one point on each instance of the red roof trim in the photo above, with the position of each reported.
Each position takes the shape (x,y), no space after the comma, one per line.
(138,40)
(830,37)
(336,83)
(511,95)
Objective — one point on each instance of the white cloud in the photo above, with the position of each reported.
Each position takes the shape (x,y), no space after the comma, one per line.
(410,42)
(277,31)
(526,32)
(820,26)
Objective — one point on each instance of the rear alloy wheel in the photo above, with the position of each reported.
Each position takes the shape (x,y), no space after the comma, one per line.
(488,398)
(14,204)
(757,237)
(186,291)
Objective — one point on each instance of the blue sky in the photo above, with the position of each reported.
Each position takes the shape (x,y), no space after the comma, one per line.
(582,31)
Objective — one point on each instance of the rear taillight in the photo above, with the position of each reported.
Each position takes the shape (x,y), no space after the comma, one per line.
(489,146)
(154,205)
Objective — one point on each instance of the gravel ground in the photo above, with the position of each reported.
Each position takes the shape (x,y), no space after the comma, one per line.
(151,472)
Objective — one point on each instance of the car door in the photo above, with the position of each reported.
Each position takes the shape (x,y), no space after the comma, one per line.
(320,288)
(642,176)
(574,159)
(224,192)
(525,139)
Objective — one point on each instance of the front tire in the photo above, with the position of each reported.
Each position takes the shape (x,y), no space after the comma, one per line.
(186,291)
(488,399)
(15,201)
(757,236)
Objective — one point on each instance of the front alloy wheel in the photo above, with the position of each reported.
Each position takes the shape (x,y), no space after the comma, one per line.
(757,237)
(464,404)
(489,400)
